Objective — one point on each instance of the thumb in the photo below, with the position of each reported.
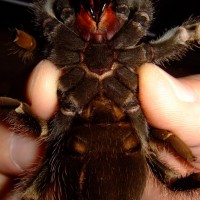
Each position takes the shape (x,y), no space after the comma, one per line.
(171,104)
(17,152)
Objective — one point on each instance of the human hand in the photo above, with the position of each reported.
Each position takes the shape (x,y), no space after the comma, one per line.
(18,153)
(173,105)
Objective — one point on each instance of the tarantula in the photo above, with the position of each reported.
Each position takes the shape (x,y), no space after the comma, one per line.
(98,143)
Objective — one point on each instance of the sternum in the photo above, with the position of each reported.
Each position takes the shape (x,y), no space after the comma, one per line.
(99,58)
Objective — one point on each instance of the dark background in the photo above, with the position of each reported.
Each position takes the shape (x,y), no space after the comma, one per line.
(14,73)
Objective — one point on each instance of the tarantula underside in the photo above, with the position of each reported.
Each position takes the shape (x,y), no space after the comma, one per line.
(98,145)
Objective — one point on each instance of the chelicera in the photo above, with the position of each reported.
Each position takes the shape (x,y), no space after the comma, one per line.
(98,144)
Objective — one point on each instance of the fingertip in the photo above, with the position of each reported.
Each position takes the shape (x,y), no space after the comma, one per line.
(42,89)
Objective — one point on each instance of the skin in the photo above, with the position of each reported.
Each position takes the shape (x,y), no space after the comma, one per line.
(174,106)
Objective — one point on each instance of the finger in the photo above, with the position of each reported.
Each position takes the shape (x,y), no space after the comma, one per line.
(17,152)
(171,104)
(42,89)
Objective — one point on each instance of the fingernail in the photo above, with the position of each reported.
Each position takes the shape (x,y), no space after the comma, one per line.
(23,151)
(181,91)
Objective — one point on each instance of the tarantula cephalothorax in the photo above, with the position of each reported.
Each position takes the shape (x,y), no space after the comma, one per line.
(98,146)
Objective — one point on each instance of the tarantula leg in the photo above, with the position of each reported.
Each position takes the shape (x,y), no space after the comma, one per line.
(130,36)
(139,123)
(136,27)
(17,117)
(171,46)
(135,57)
(64,44)
(175,42)
(128,103)
(53,28)
(70,78)
(170,177)
(73,99)
(44,180)
(128,78)
(176,143)
(77,98)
